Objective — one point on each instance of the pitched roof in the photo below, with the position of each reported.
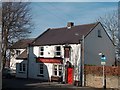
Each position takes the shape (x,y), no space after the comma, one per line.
(22,44)
(64,35)
(23,55)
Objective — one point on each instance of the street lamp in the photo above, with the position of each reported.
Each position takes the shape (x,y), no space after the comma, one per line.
(103,59)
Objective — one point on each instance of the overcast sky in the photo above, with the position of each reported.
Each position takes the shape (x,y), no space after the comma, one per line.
(56,14)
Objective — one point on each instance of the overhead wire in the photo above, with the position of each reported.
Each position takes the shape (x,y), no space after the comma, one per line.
(61,19)
(59,9)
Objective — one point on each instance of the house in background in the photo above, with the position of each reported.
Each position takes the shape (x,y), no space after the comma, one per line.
(18,49)
(57,53)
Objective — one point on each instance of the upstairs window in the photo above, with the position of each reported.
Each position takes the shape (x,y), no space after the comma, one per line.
(58,51)
(17,52)
(67,52)
(41,51)
(99,33)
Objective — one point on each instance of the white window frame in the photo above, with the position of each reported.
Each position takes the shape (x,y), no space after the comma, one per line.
(22,66)
(57,51)
(59,70)
(39,68)
(41,51)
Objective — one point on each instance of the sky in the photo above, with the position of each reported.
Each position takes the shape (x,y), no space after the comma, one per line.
(60,0)
(56,14)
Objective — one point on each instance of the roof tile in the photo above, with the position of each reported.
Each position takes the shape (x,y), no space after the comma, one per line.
(64,35)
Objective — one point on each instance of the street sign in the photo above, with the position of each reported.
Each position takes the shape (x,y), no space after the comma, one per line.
(103,60)
(103,63)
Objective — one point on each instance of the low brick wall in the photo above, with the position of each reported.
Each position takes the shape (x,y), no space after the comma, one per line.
(94,78)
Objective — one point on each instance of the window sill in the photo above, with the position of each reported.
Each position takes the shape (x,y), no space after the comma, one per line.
(100,36)
(58,56)
(40,75)
(21,72)
(56,78)
(41,56)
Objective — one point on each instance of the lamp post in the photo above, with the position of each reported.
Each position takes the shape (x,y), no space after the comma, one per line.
(103,59)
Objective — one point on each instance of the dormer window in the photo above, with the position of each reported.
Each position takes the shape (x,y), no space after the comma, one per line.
(99,33)
(57,51)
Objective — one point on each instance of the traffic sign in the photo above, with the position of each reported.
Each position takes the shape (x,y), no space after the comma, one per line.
(103,58)
(103,63)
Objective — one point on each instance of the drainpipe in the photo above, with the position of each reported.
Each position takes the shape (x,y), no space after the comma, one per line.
(82,62)
(64,72)
(64,67)
(28,51)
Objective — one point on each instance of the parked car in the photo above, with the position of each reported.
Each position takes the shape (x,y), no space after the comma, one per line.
(8,73)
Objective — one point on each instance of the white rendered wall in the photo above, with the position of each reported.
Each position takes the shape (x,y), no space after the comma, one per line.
(13,59)
(50,53)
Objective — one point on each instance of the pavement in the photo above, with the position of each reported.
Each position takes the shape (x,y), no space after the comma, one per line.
(32,84)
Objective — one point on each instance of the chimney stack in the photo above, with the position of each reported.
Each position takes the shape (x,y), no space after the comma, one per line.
(70,24)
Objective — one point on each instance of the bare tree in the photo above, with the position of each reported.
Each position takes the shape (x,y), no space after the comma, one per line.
(16,24)
(110,23)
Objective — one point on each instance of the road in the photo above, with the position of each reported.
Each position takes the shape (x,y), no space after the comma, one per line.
(31,84)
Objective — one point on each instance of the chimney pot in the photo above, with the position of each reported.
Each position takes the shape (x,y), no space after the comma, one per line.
(70,24)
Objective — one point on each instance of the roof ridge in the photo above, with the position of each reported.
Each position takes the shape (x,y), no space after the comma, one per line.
(74,26)
(47,37)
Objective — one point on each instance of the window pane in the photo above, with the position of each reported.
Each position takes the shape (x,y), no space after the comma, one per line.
(41,68)
(41,71)
(60,67)
(41,65)
(55,72)
(41,48)
(23,67)
(58,48)
(20,68)
(18,52)
(41,53)
(58,53)
(60,73)
(55,67)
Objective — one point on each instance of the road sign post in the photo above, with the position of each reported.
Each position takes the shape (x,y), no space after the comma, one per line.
(103,63)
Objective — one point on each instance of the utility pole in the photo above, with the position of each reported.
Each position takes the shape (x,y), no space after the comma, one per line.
(82,63)
(1,46)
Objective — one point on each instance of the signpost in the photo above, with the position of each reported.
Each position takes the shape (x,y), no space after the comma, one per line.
(103,63)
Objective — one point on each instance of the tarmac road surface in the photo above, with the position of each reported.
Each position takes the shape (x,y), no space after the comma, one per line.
(31,84)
